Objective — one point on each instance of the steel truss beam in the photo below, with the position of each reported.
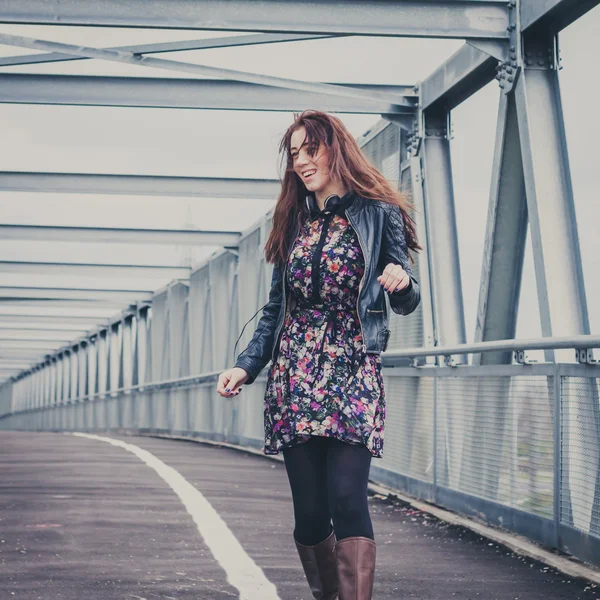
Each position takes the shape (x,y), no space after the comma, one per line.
(504,246)
(46,303)
(442,238)
(196,69)
(138,185)
(431,18)
(50,336)
(550,204)
(95,270)
(73,328)
(463,74)
(228,239)
(31,356)
(553,15)
(206,94)
(469,69)
(59,317)
(182,46)
(40,293)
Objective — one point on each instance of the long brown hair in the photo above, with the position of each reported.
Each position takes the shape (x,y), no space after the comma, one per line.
(346,162)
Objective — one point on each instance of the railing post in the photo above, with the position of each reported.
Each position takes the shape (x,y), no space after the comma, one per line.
(557,464)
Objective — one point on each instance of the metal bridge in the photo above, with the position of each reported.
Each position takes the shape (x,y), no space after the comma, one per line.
(134,346)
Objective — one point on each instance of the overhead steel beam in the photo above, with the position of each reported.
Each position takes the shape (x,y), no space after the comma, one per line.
(179,46)
(75,335)
(46,233)
(48,325)
(30,293)
(469,69)
(86,321)
(463,74)
(95,270)
(45,304)
(24,354)
(32,344)
(10,365)
(424,18)
(196,69)
(138,185)
(205,94)
(553,15)
(36,336)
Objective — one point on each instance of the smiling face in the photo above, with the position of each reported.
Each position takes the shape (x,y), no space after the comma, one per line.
(311,163)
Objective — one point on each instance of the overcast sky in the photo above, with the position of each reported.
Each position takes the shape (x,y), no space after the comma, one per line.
(244,144)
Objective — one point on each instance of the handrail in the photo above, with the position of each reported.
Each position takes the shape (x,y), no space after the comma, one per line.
(548,343)
(576,342)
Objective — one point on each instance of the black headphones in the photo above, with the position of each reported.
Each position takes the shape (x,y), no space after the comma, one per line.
(331,203)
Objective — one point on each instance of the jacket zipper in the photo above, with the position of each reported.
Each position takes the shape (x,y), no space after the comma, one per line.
(364,344)
(283,283)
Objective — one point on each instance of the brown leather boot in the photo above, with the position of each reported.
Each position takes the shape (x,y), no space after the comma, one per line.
(356,567)
(320,568)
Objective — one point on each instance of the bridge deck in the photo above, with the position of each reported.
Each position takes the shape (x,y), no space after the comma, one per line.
(83,519)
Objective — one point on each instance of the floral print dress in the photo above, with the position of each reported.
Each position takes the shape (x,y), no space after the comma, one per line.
(322,383)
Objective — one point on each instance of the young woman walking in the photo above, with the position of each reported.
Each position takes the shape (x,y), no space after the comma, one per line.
(339,242)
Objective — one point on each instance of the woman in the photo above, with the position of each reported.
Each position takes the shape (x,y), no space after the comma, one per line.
(340,237)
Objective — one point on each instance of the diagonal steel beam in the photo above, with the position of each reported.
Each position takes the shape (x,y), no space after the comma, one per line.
(553,15)
(463,74)
(141,185)
(205,71)
(181,46)
(46,233)
(412,18)
(504,247)
(206,94)
(94,270)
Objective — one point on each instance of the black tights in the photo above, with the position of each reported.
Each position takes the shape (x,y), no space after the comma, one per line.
(328,479)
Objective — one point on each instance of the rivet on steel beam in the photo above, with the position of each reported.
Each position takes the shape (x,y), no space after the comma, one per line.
(512,48)
(541,63)
(513,56)
(510,79)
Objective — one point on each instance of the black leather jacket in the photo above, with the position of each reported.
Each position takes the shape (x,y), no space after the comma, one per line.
(380,230)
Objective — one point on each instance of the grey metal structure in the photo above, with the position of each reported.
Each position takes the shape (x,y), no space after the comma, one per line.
(475,427)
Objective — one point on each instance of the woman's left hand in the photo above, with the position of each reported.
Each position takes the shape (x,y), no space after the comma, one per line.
(394,278)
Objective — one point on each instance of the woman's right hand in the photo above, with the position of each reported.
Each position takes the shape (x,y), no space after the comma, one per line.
(230,381)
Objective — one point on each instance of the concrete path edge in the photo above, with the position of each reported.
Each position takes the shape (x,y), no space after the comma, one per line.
(518,544)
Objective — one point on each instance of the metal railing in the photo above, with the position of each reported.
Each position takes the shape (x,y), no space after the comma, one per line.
(517,444)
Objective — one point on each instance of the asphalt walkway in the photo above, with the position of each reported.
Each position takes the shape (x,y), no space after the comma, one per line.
(83,519)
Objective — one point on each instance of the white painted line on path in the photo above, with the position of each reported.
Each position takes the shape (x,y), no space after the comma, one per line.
(242,572)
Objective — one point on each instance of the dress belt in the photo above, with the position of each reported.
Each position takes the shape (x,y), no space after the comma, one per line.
(332,313)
